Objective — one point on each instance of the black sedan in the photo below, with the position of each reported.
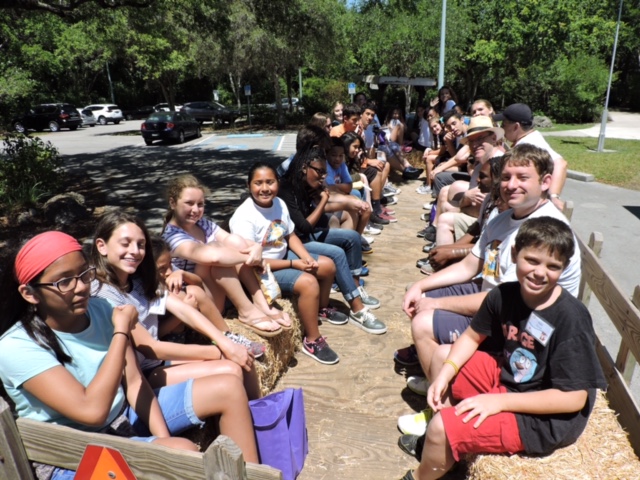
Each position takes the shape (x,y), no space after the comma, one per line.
(173,126)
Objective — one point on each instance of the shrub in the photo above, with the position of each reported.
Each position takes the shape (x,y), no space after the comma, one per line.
(579,89)
(29,170)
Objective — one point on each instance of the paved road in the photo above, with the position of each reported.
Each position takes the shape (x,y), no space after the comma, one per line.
(621,125)
(134,175)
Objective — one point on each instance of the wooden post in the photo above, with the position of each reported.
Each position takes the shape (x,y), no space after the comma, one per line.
(223,460)
(626,363)
(13,458)
(595,244)
(568,209)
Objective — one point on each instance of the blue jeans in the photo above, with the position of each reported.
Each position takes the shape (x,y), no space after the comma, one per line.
(287,277)
(345,249)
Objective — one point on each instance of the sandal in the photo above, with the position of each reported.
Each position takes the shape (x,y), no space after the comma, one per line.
(281,318)
(253,326)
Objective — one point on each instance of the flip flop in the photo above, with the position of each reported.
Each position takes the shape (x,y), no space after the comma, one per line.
(280,317)
(253,325)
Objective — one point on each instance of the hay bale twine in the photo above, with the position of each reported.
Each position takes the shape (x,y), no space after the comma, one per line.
(280,349)
(603,452)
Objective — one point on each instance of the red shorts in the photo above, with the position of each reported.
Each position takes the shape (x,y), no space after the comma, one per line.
(498,433)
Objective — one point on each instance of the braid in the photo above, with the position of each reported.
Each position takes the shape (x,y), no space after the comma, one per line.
(296,174)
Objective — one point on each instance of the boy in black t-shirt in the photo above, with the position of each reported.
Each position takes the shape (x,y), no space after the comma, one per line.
(536,396)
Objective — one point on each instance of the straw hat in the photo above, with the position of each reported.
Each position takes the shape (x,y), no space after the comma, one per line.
(480,125)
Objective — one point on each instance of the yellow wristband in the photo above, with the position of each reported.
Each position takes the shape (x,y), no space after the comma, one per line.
(455,367)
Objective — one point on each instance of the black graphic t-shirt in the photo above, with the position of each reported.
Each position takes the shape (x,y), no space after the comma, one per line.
(542,349)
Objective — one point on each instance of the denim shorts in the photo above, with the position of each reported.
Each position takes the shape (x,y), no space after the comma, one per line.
(176,403)
(287,277)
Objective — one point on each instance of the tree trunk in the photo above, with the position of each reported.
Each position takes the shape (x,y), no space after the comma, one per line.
(235,89)
(280,114)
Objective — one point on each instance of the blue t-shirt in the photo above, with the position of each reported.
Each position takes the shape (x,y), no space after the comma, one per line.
(339,175)
(22,359)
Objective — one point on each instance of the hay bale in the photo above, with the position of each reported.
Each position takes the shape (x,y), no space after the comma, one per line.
(603,451)
(280,349)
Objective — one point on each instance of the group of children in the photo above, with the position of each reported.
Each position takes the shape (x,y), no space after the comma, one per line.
(85,339)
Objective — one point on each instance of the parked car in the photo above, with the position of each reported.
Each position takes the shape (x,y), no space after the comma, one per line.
(175,126)
(105,113)
(53,116)
(210,112)
(164,107)
(295,102)
(88,118)
(138,113)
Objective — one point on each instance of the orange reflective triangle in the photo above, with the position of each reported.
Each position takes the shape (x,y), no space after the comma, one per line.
(103,463)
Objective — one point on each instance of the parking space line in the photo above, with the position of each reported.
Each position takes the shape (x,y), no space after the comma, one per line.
(206,139)
(245,135)
(277,143)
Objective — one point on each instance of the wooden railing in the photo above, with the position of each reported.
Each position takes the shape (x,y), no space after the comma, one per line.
(24,441)
(625,316)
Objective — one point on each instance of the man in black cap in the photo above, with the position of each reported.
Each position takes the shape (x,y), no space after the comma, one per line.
(517,122)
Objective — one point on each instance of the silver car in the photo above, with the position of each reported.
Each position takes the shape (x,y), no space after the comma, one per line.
(87,118)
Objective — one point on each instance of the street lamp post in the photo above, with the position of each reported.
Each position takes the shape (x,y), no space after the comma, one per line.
(443,28)
(605,113)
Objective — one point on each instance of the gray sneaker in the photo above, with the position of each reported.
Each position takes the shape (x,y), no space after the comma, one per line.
(367,321)
(254,347)
(370,302)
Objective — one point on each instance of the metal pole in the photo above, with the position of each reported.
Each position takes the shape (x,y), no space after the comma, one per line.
(605,112)
(249,110)
(443,28)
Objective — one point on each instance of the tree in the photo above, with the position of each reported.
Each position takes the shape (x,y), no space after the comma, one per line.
(64,7)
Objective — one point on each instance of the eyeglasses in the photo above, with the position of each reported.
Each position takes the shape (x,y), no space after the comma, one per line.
(67,284)
(322,172)
(479,139)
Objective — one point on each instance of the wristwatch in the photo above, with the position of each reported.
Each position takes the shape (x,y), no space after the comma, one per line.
(555,195)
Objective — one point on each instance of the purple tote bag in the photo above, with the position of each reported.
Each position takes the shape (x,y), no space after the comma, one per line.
(281,431)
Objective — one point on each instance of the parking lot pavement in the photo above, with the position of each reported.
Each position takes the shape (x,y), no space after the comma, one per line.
(103,138)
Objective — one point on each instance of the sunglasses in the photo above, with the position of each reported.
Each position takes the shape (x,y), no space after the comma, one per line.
(322,172)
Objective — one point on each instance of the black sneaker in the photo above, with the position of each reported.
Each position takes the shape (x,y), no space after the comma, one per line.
(332,316)
(320,351)
(376,220)
(412,173)
(412,445)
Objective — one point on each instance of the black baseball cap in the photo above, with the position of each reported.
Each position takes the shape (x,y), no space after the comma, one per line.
(518,112)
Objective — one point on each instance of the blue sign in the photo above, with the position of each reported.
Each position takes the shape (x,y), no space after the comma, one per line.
(352,89)
(247,90)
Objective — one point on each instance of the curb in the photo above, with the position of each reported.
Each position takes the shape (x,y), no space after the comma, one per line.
(580,176)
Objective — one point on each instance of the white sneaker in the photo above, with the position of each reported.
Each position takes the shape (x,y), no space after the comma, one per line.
(418,385)
(427,206)
(392,187)
(371,230)
(423,189)
(415,424)
(367,239)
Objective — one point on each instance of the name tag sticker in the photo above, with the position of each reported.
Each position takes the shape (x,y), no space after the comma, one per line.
(539,329)
(159,305)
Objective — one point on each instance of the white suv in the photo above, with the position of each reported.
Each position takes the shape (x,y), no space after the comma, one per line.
(106,113)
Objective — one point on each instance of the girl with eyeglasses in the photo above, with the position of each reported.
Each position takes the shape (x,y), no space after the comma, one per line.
(66,358)
(303,191)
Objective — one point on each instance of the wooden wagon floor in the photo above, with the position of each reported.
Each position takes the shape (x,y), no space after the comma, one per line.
(352,407)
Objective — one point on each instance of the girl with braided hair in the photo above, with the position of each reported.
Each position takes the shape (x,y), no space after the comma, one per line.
(304,182)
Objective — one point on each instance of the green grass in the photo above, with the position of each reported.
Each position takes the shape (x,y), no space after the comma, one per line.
(561,127)
(620,167)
